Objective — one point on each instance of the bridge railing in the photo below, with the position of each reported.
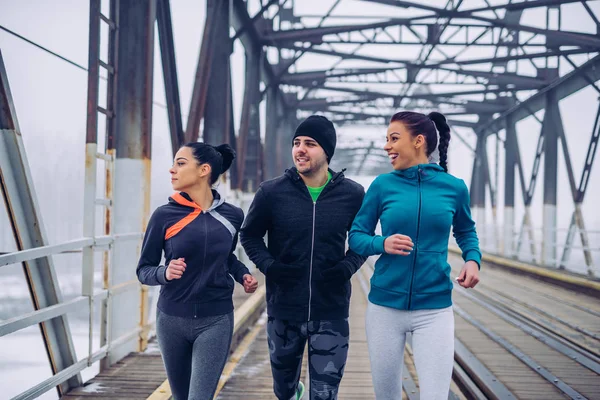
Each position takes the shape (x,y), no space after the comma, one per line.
(529,246)
(99,243)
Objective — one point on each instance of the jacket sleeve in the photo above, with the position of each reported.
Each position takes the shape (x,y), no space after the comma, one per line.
(362,238)
(352,259)
(148,270)
(235,267)
(256,225)
(464,227)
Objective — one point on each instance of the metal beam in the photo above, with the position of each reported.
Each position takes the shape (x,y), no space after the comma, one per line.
(251,39)
(510,162)
(272,125)
(558,38)
(564,86)
(131,199)
(524,5)
(250,164)
(316,34)
(577,217)
(167,52)
(347,56)
(469,106)
(199,92)
(216,111)
(550,180)
(529,56)
(310,78)
(24,215)
(478,182)
(258,15)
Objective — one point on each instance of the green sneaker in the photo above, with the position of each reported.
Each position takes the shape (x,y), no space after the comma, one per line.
(300,390)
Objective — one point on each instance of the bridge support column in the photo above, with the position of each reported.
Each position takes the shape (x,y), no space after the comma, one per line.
(216,111)
(273,127)
(250,160)
(477,190)
(125,311)
(510,157)
(550,180)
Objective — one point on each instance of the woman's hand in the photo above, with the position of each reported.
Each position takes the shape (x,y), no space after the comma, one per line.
(175,269)
(398,244)
(250,283)
(469,275)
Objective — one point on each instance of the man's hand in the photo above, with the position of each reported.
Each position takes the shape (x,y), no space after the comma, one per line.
(340,273)
(250,283)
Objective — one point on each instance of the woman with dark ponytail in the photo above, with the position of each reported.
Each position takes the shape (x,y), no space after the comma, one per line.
(417,204)
(198,232)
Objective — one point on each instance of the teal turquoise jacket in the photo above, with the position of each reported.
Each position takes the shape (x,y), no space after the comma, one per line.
(422,202)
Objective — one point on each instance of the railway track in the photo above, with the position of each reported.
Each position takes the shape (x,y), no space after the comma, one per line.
(560,351)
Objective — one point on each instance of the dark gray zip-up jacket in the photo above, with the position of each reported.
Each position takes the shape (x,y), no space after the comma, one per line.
(306,234)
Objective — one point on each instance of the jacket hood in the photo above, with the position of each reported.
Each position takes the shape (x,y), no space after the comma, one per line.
(183,199)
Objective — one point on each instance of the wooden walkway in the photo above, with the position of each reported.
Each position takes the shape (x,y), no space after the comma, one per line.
(252,380)
(531,340)
(138,375)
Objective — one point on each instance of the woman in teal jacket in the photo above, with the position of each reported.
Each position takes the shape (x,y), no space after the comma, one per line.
(416,204)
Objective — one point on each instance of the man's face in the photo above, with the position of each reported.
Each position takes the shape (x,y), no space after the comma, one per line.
(309,157)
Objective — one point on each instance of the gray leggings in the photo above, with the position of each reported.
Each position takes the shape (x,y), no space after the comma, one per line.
(194,352)
(432,344)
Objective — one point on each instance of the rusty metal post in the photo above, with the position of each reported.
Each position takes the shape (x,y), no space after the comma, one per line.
(132,142)
(273,123)
(477,189)
(249,144)
(550,181)
(510,156)
(216,111)
(167,52)
(199,93)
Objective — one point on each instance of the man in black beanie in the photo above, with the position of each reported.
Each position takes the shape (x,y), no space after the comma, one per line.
(307,213)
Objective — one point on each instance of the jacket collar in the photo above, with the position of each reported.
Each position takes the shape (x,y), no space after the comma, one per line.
(293,174)
(426,172)
(182,198)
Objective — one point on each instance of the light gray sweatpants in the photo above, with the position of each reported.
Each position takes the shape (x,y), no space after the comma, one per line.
(432,345)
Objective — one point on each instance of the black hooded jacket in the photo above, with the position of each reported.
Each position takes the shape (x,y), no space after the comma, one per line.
(311,235)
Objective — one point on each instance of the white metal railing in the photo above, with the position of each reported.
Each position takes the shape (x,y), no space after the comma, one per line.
(47,313)
(529,245)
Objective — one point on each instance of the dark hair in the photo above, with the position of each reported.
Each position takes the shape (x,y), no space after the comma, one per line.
(426,125)
(218,157)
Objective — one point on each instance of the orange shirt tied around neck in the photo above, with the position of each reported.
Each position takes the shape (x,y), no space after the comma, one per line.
(182,223)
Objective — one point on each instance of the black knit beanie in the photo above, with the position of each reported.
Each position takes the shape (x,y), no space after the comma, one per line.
(320,129)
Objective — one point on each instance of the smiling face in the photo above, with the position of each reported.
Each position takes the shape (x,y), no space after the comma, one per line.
(186,172)
(403,149)
(309,157)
